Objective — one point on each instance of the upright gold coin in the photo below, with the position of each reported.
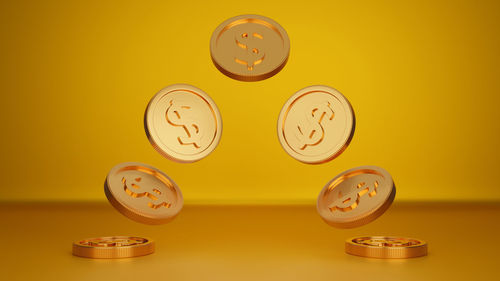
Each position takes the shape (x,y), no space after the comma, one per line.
(113,247)
(316,124)
(183,123)
(386,247)
(249,47)
(356,197)
(143,193)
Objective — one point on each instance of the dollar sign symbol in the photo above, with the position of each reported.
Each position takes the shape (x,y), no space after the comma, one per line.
(313,133)
(134,190)
(253,54)
(351,200)
(190,127)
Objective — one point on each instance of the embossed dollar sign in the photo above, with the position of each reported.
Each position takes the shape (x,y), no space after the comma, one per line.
(351,200)
(116,242)
(174,118)
(387,242)
(155,196)
(253,53)
(313,133)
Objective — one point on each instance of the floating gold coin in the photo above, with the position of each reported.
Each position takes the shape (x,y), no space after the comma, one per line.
(113,247)
(386,247)
(183,123)
(249,47)
(316,124)
(356,197)
(143,193)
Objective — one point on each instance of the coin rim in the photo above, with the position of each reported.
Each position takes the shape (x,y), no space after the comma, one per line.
(284,109)
(385,252)
(371,215)
(154,139)
(130,211)
(93,252)
(249,78)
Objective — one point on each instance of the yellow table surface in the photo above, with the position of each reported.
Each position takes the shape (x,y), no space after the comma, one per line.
(249,243)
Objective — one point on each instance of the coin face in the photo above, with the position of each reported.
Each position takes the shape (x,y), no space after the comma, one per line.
(316,124)
(143,193)
(183,123)
(386,247)
(113,247)
(249,47)
(356,197)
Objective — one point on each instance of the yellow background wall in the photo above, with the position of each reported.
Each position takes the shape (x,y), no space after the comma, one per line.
(422,76)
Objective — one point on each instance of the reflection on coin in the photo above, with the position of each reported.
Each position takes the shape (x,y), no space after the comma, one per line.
(386,247)
(113,247)
(143,193)
(183,123)
(249,47)
(316,124)
(356,197)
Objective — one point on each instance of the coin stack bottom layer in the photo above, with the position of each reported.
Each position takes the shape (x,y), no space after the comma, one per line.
(113,247)
(386,247)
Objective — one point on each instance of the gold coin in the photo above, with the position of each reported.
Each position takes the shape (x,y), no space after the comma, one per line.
(183,123)
(356,197)
(249,47)
(143,193)
(316,124)
(113,247)
(386,247)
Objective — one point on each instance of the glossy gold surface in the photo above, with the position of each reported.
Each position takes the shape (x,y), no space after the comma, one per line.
(183,123)
(316,124)
(249,47)
(143,193)
(286,242)
(356,197)
(113,247)
(386,247)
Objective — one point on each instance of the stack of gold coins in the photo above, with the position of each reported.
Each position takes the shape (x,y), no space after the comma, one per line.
(113,247)
(385,247)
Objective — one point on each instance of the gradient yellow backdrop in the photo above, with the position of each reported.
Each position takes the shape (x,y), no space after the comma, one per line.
(422,76)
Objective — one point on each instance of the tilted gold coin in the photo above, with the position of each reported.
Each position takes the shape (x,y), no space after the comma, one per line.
(249,47)
(386,247)
(113,247)
(316,124)
(183,123)
(356,197)
(143,193)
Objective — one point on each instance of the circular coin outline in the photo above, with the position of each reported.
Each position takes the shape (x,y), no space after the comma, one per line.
(133,212)
(242,19)
(368,216)
(155,137)
(419,249)
(348,134)
(114,252)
